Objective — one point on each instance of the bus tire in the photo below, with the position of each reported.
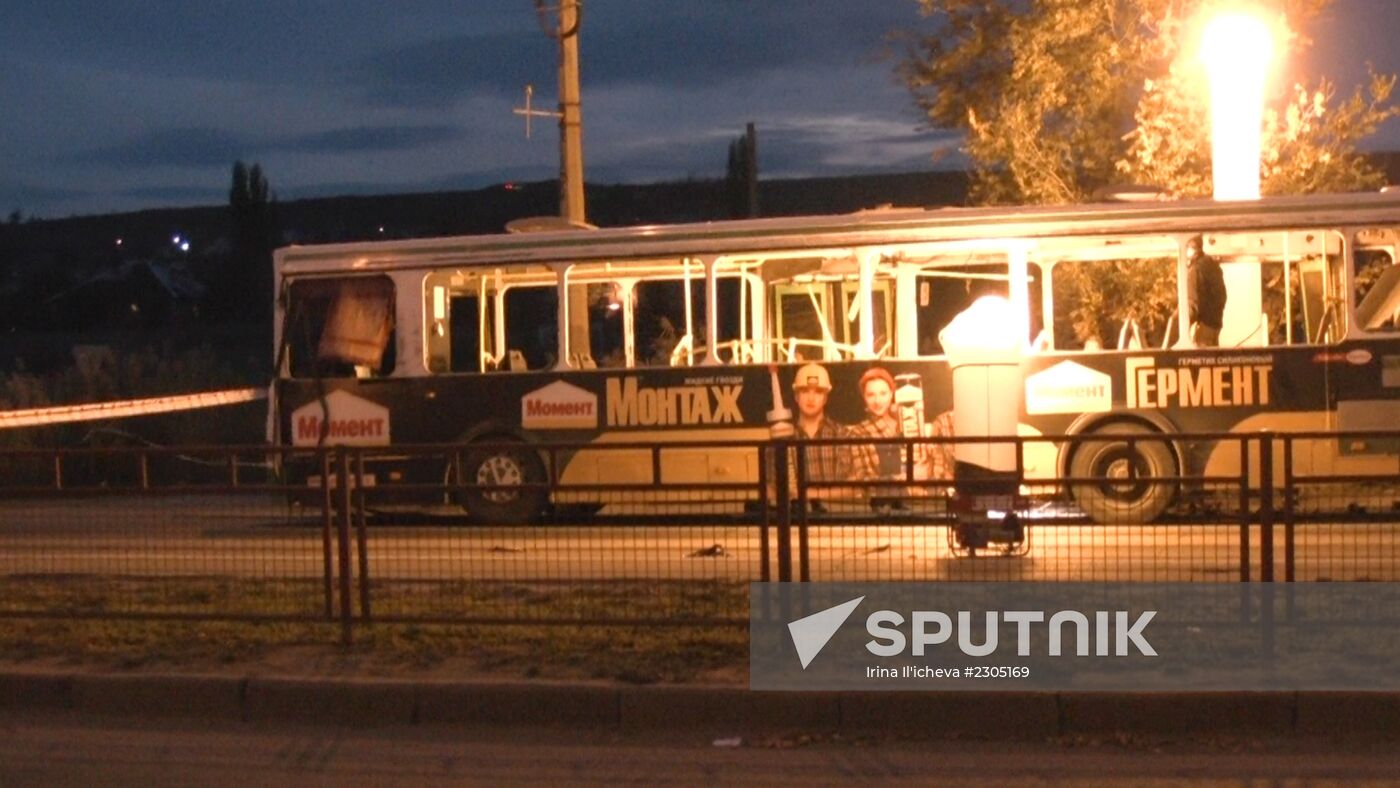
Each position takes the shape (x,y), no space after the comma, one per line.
(1127,502)
(503,462)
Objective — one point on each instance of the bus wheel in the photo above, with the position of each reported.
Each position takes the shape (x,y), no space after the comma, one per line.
(1122,497)
(502,466)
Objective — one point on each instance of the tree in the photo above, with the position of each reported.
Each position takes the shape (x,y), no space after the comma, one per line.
(741,176)
(1058,98)
(9,257)
(243,289)
(1308,144)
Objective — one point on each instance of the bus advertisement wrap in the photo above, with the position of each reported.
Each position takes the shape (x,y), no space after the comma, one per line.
(833,327)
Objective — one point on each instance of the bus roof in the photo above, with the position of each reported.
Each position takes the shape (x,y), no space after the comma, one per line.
(863,228)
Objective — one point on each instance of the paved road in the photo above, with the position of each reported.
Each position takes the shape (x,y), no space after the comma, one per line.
(262,537)
(56,749)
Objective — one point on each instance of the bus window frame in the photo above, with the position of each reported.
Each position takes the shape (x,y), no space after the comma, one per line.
(813,293)
(1014,254)
(849,292)
(1352,234)
(1049,254)
(288,362)
(497,283)
(687,341)
(748,347)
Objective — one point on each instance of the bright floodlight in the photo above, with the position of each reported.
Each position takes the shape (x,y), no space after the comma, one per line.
(1236,49)
(983,343)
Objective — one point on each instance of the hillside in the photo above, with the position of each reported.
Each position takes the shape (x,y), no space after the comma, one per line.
(110,279)
(83,241)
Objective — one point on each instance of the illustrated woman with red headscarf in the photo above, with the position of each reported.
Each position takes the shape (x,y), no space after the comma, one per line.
(877,460)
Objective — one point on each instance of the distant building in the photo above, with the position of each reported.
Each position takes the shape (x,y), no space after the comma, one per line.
(137,294)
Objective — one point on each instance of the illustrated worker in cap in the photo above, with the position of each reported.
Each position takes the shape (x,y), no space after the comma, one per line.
(811,387)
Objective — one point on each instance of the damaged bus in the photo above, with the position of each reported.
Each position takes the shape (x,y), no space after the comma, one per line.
(471,341)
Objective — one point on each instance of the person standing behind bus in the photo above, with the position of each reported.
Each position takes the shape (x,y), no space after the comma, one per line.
(1205,294)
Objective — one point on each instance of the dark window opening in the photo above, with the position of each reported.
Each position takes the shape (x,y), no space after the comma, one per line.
(946,292)
(341,328)
(465,333)
(532,325)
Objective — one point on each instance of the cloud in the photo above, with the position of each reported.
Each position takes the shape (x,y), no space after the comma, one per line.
(432,51)
(18,195)
(443,69)
(203,147)
(180,194)
(266,41)
(626,42)
(365,138)
(176,146)
(849,144)
(809,146)
(359,97)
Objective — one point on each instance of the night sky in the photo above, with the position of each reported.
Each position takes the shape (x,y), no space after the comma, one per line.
(109,106)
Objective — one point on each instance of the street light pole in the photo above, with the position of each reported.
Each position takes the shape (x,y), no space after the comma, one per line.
(576,342)
(571,205)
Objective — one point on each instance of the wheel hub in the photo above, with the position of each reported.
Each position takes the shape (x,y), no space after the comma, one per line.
(499,471)
(1119,469)
(1120,475)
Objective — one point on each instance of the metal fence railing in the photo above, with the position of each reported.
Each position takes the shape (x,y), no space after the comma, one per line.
(669,533)
(188,533)
(1337,521)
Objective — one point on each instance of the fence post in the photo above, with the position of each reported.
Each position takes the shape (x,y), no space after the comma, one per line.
(1266,507)
(342,480)
(361,540)
(765,571)
(1244,509)
(1289,513)
(803,510)
(780,471)
(327,515)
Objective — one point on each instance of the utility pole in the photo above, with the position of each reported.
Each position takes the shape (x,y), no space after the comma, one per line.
(564,30)
(571,207)
(570,116)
